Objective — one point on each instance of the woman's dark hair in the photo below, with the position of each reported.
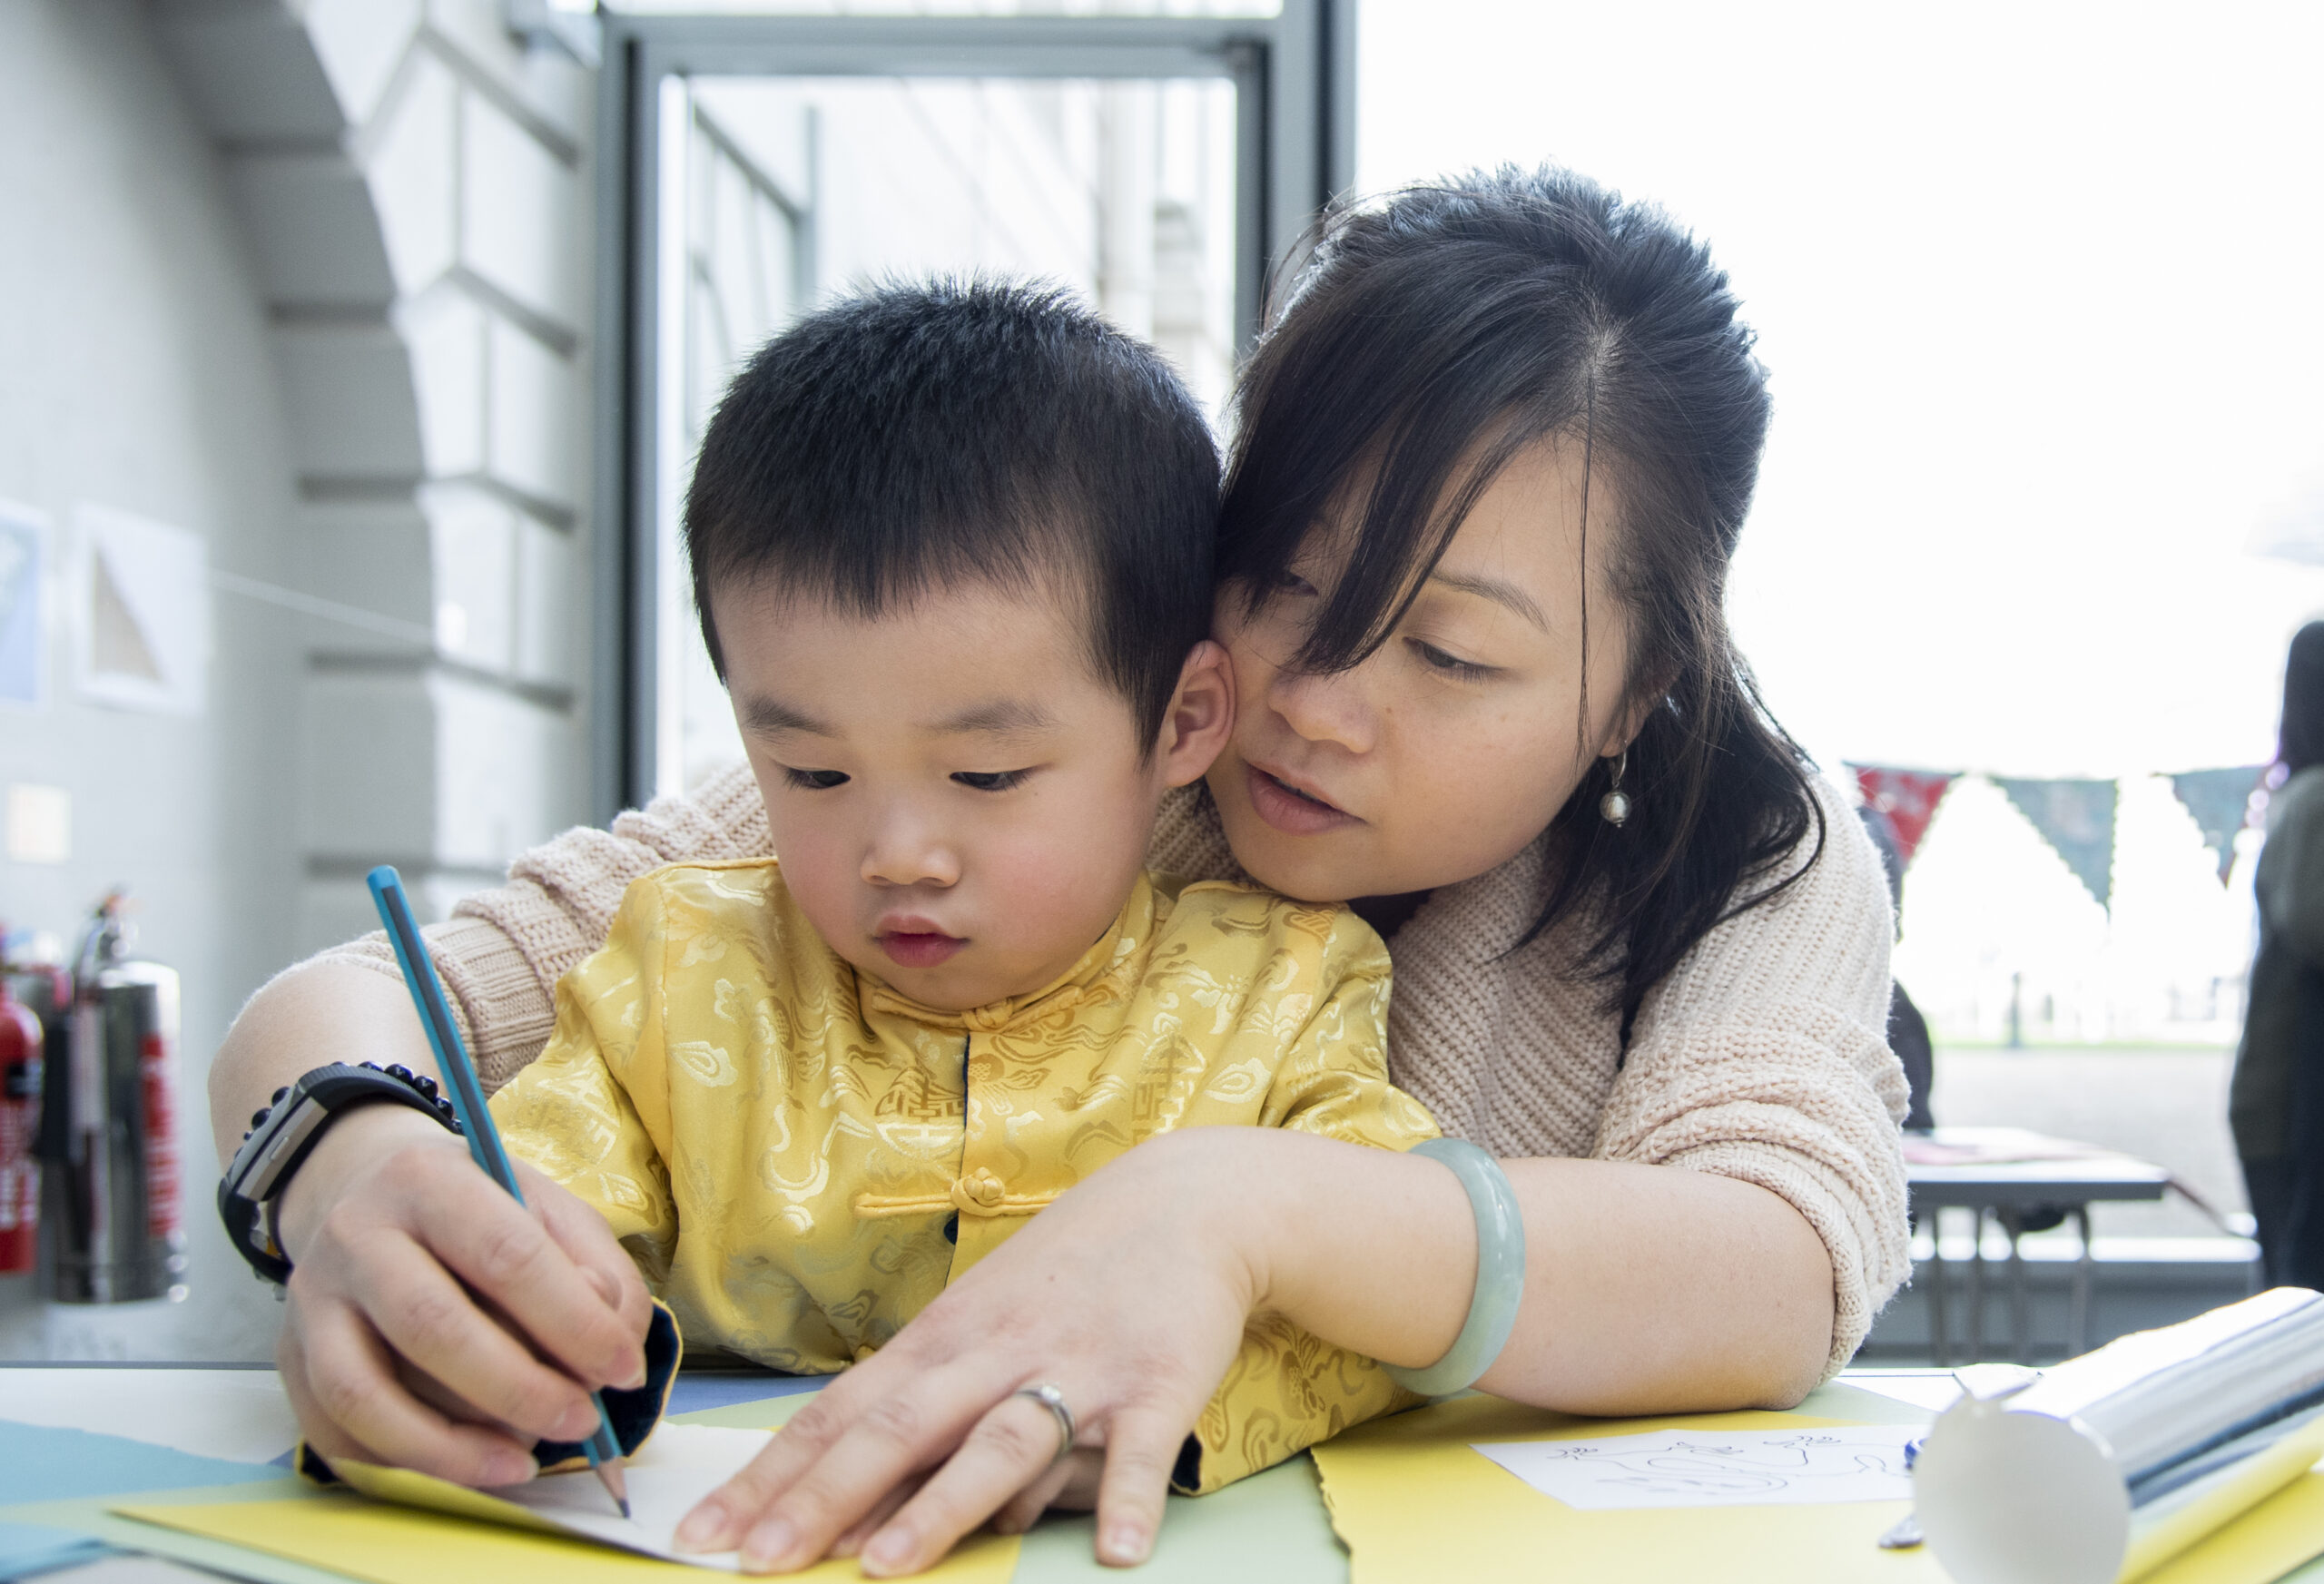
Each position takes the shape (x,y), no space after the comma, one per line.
(1424,342)
(2300,742)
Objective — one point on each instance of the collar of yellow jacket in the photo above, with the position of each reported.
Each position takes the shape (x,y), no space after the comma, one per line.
(1099,974)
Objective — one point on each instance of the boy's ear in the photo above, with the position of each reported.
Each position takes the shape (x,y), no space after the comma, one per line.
(1201,716)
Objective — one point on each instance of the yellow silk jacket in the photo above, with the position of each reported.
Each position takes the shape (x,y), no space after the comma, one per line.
(800,1159)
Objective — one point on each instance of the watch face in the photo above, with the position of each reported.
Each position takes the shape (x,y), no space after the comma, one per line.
(286,1128)
(281,1133)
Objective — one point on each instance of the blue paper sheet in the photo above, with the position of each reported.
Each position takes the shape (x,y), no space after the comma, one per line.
(38,1463)
(26,1548)
(692,1394)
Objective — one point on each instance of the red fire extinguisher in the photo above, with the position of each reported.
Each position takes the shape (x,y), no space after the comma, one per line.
(20,1079)
(114,1230)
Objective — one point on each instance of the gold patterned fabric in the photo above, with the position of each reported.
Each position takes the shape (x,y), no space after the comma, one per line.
(790,1149)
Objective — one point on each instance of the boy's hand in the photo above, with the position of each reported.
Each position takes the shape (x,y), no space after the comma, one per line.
(433,1323)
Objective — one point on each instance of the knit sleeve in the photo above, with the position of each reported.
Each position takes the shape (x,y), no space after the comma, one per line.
(503,950)
(1764,1057)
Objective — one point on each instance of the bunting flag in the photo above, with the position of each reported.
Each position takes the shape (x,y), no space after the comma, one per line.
(2076,818)
(1909,797)
(2221,801)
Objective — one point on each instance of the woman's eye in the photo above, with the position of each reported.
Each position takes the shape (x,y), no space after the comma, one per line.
(990,780)
(814,780)
(1287,582)
(1452,665)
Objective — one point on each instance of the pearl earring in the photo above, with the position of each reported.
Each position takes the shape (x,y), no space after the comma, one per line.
(1615,807)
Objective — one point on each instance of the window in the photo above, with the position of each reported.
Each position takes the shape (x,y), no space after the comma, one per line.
(1155,163)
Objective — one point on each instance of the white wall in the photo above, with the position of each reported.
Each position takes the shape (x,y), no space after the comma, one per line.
(135,372)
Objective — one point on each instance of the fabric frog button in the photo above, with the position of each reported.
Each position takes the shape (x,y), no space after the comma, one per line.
(982,1189)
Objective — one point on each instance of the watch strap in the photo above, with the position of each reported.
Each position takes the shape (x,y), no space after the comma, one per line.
(285,1131)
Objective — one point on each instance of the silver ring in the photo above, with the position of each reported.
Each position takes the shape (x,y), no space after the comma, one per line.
(1050,1398)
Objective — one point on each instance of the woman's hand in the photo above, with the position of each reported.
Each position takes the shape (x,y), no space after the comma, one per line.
(1128,1295)
(435,1324)
(1648,1289)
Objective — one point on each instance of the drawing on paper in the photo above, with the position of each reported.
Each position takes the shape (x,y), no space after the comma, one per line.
(1857,1463)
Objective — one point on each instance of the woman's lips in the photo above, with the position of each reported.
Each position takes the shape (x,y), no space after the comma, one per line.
(1291,811)
(917,948)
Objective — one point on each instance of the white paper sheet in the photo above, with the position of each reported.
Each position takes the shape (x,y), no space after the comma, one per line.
(678,1467)
(238,1415)
(1736,1468)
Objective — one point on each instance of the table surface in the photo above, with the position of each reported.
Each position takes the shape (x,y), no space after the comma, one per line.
(2015,1165)
(1271,1528)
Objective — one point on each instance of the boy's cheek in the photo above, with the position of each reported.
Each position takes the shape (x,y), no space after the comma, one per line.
(1072,871)
(819,874)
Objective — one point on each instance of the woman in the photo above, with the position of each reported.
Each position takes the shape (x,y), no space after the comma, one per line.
(1493,456)
(2275,1103)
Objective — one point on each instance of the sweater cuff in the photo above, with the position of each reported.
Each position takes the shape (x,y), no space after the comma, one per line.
(1861,1286)
(1802,1101)
(488,985)
(505,1013)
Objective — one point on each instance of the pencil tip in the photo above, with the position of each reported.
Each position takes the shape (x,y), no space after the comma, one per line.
(611,1475)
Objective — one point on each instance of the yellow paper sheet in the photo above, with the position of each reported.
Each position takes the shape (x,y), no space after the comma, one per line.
(2236,1493)
(402,1545)
(1413,1500)
(2264,1544)
(409,1489)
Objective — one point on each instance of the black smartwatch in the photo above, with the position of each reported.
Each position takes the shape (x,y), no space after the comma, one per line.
(285,1131)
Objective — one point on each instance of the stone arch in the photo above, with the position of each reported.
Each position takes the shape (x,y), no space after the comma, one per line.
(412,182)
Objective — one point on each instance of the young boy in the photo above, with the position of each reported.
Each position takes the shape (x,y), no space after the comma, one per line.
(951,548)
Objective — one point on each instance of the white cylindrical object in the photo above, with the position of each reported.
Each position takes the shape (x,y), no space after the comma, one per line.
(2111,1463)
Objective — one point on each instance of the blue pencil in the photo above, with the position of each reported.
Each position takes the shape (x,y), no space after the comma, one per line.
(468,1104)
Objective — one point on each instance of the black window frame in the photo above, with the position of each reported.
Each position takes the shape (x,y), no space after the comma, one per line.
(1296,145)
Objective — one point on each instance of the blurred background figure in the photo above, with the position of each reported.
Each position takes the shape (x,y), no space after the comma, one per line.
(2275,1104)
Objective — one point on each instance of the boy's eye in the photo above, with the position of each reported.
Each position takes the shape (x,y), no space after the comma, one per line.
(1452,665)
(814,780)
(990,780)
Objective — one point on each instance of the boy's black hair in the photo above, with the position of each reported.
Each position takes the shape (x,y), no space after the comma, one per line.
(918,438)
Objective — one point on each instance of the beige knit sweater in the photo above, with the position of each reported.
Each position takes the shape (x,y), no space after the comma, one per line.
(1762,1055)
